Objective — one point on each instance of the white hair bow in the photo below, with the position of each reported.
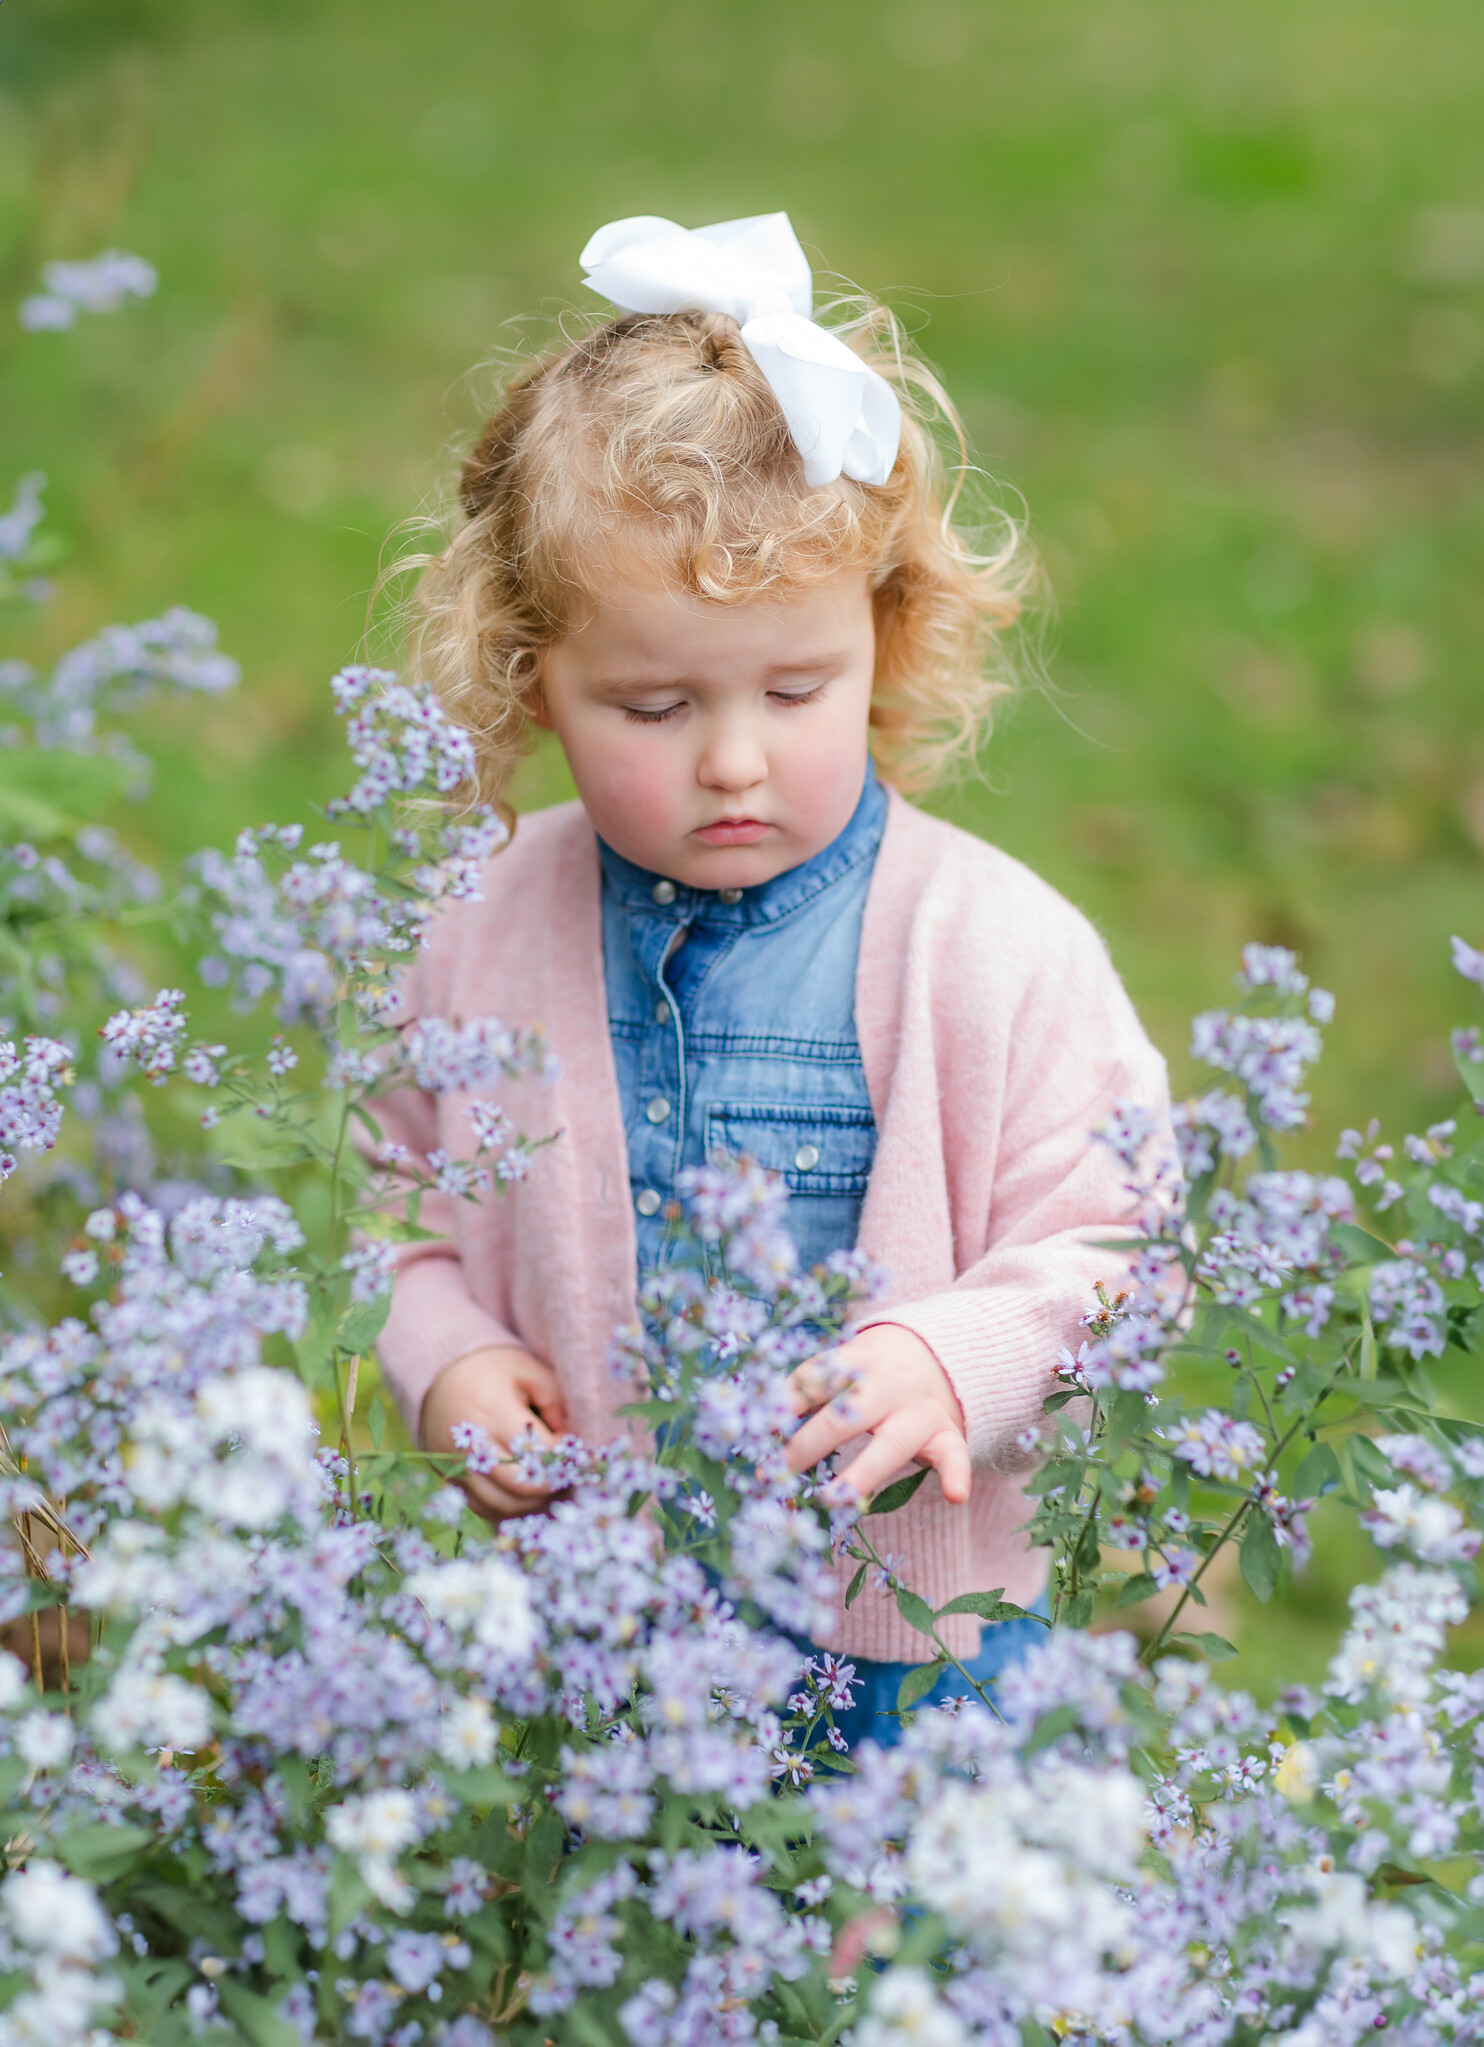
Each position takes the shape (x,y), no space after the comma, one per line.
(842,417)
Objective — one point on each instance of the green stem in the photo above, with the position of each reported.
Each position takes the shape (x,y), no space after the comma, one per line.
(1183,1601)
(345,1398)
(339,1153)
(1234,1520)
(944,1651)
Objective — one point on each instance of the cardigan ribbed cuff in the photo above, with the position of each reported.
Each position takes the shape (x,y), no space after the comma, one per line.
(997,1348)
(433,1323)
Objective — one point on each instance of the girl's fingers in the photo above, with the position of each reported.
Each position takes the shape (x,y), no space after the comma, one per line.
(898,1441)
(552,1411)
(948,1454)
(840,1422)
(814,1382)
(908,1440)
(496,1502)
(541,1387)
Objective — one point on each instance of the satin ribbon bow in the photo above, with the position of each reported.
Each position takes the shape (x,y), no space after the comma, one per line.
(842,417)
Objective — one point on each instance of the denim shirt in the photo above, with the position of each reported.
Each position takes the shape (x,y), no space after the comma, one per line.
(732,1015)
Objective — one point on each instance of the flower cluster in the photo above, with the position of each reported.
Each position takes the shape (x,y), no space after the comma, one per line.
(100,285)
(311,925)
(323,1758)
(112,671)
(31,1077)
(400,738)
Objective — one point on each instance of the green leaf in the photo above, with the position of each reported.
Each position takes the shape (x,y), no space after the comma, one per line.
(193,1913)
(1375,1464)
(362,1322)
(1239,1323)
(483,1788)
(349,1893)
(259,2021)
(100,1852)
(1051,1727)
(1318,1474)
(1262,1560)
(1387,1393)
(39,1593)
(390,1229)
(1129,1416)
(253,1146)
(1135,1588)
(544,1849)
(376,1421)
(1353,1488)
(1471,1073)
(898,1493)
(1367,1345)
(1078,1610)
(292,1773)
(588,2028)
(48,793)
(990,1606)
(915,1611)
(149,1986)
(1359,1246)
(856,1583)
(918,1683)
(1216,1647)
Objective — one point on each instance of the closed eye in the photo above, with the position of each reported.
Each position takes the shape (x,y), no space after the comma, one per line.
(797,696)
(636,716)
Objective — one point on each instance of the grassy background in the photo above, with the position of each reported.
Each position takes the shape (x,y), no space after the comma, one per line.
(1205,281)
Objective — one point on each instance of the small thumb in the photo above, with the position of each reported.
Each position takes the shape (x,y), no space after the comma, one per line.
(948,1454)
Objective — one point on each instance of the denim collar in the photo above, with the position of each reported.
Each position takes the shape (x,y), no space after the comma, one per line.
(768,901)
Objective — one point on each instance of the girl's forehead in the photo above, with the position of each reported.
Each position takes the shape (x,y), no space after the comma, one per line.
(645,613)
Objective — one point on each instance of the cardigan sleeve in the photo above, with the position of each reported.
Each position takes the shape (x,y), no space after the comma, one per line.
(434,1318)
(1057,1198)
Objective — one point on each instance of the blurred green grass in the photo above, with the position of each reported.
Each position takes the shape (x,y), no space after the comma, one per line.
(1207,283)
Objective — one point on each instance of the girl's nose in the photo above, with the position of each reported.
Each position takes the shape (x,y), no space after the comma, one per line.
(732,758)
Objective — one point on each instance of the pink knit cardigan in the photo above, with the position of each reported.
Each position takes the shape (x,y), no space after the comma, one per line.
(995,1034)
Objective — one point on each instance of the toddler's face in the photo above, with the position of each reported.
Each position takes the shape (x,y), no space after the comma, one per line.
(716,744)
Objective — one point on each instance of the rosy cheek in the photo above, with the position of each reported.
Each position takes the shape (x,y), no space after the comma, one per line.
(631,788)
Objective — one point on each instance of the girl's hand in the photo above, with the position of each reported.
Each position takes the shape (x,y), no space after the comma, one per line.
(898,1394)
(508,1393)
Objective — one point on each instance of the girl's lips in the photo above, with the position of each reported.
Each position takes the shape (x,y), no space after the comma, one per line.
(732,831)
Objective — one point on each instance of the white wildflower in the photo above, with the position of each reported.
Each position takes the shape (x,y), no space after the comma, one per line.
(905,2012)
(467,1736)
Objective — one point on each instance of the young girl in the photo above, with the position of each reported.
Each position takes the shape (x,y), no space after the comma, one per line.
(708,546)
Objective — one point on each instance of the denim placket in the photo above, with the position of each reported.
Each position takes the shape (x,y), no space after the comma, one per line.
(742,1038)
(654,1145)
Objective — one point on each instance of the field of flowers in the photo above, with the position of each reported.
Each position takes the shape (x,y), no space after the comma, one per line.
(293,1749)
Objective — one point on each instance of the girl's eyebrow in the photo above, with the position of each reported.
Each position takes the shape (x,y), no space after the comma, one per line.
(627,685)
(811,666)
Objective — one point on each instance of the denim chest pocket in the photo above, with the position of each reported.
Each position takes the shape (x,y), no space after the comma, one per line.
(825,1149)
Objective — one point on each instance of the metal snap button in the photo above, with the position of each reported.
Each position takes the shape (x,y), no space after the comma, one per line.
(806,1158)
(662,1011)
(647,1202)
(731,895)
(657,1109)
(663,892)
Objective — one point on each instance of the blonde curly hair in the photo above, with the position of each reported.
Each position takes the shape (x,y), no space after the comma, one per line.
(659,430)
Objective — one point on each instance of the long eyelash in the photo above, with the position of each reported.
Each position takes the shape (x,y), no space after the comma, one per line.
(650,717)
(805,697)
